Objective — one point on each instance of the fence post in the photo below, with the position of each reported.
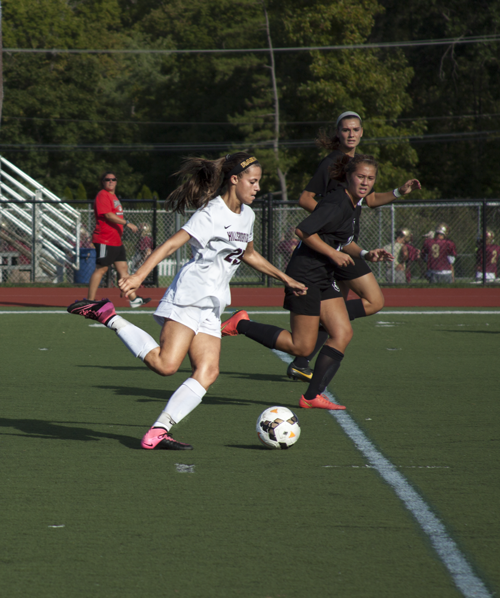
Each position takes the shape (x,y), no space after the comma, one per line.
(393,232)
(36,245)
(483,248)
(270,233)
(155,224)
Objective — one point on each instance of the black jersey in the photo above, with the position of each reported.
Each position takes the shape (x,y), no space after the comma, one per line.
(335,220)
(319,182)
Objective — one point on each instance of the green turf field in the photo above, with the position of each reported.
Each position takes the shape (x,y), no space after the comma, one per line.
(86,513)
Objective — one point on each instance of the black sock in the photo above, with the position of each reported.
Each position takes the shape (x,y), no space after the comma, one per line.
(303,362)
(265,334)
(355,309)
(326,367)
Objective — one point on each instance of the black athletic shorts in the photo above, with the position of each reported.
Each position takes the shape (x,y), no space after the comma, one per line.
(310,304)
(109,254)
(351,272)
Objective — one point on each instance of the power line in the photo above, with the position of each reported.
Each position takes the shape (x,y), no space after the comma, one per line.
(479,39)
(228,124)
(224,145)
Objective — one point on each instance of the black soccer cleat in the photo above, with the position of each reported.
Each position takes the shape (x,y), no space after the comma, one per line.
(296,373)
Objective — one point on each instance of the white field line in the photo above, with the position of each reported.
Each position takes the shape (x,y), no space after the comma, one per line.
(275,312)
(461,572)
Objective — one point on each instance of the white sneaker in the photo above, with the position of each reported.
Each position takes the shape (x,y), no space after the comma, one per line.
(138,302)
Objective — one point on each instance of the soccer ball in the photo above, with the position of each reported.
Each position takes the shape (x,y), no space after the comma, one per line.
(278,428)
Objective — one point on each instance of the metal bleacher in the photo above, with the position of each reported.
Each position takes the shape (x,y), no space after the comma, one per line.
(38,232)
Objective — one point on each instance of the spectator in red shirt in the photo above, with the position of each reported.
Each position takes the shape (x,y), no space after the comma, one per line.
(107,237)
(440,254)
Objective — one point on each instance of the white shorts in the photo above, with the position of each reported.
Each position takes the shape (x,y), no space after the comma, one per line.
(199,319)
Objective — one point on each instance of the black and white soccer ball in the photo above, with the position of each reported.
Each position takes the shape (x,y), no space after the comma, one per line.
(278,428)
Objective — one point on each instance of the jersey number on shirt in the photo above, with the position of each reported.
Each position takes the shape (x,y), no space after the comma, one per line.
(234,257)
(435,251)
(493,257)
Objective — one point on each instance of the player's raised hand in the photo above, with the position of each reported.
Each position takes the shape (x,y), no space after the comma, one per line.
(379,255)
(409,186)
(129,284)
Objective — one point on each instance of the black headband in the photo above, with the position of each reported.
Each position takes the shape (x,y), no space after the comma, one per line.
(239,167)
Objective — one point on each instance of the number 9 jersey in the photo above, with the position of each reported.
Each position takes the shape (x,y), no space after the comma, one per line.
(218,241)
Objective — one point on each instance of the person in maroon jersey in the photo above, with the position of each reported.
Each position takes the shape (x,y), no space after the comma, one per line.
(440,254)
(107,237)
(492,257)
(413,254)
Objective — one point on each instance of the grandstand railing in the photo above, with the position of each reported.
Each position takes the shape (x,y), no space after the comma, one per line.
(36,224)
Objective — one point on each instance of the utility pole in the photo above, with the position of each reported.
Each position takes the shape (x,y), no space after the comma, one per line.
(281,175)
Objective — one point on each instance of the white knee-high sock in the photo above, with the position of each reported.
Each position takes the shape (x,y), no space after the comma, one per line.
(137,341)
(186,398)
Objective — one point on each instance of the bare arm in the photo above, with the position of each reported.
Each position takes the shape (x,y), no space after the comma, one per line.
(374,200)
(374,255)
(254,259)
(307,201)
(128,284)
(315,242)
(110,217)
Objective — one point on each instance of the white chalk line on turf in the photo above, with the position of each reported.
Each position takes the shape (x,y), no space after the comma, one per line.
(461,572)
(273,313)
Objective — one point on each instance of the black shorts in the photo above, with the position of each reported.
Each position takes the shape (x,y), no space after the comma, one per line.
(359,269)
(109,254)
(310,304)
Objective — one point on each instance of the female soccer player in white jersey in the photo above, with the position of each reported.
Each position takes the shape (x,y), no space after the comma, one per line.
(221,236)
(327,241)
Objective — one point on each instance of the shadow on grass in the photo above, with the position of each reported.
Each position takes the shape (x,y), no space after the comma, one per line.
(251,447)
(473,331)
(34,428)
(150,395)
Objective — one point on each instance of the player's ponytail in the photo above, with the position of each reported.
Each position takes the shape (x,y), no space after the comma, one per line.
(347,165)
(202,180)
(328,140)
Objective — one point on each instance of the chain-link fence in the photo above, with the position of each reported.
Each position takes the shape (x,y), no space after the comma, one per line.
(37,247)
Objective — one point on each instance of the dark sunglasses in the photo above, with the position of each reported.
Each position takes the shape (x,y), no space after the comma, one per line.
(107,180)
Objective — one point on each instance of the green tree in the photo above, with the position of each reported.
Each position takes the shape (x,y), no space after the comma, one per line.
(81,194)
(322,84)
(60,99)
(455,91)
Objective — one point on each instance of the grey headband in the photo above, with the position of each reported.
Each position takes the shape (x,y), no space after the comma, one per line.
(346,114)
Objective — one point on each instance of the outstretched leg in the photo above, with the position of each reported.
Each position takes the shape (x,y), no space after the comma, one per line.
(176,341)
(371,301)
(300,341)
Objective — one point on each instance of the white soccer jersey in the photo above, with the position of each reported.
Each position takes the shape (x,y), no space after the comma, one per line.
(219,238)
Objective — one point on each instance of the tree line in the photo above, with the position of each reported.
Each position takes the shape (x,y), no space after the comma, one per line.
(432,112)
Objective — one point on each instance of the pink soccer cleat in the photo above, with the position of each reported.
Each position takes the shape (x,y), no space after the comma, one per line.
(230,326)
(319,402)
(102,311)
(159,438)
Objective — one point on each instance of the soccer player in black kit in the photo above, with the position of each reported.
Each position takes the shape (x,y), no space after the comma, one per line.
(327,241)
(357,276)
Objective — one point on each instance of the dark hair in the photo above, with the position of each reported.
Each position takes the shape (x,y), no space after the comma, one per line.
(202,180)
(347,165)
(329,139)
(104,175)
